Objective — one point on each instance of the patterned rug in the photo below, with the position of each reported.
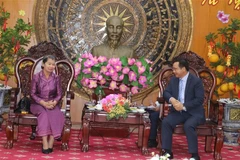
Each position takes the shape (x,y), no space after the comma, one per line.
(101,148)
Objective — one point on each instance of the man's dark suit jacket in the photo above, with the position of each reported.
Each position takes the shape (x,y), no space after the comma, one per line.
(194,95)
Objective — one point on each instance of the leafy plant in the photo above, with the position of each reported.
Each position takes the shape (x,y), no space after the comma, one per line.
(12,42)
(224,56)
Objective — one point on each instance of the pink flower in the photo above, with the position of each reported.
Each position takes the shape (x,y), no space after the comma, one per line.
(142,80)
(76,74)
(95,60)
(118,68)
(112,71)
(134,90)
(131,61)
(114,77)
(132,76)
(115,62)
(121,77)
(123,88)
(138,63)
(88,63)
(87,55)
(113,85)
(125,70)
(107,74)
(224,18)
(102,59)
(77,67)
(109,66)
(92,84)
(95,74)
(148,61)
(102,81)
(87,70)
(103,69)
(141,69)
(220,14)
(85,82)
(151,69)
(80,60)
(100,77)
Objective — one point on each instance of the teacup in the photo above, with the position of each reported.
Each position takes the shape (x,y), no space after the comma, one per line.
(99,106)
(141,110)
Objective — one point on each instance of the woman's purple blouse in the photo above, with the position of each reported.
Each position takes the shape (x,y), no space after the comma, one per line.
(46,89)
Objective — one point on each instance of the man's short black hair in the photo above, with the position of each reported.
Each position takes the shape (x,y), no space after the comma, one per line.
(182,62)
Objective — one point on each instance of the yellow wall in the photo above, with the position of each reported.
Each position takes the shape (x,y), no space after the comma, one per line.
(205,21)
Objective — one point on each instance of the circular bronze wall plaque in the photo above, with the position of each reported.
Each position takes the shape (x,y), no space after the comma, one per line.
(156,29)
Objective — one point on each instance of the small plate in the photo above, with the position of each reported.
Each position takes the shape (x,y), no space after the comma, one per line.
(134,109)
(91,107)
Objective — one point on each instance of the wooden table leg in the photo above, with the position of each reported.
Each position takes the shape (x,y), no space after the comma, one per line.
(85,138)
(146,132)
(140,136)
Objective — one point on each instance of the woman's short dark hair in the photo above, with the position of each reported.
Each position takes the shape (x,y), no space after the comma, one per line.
(45,59)
(182,62)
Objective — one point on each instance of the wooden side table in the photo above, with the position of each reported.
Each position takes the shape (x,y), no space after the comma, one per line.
(100,117)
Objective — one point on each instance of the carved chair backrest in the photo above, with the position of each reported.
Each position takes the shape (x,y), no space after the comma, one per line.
(198,67)
(26,67)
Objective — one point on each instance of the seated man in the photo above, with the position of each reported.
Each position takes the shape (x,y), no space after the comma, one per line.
(112,47)
(186,94)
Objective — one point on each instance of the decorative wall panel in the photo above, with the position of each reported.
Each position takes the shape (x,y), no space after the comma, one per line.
(156,29)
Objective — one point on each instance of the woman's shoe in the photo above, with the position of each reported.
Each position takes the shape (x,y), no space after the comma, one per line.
(50,150)
(45,151)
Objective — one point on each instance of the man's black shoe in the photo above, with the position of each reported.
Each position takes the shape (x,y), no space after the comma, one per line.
(164,153)
(195,158)
(152,144)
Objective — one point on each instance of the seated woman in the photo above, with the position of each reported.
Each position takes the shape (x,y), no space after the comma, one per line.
(46,92)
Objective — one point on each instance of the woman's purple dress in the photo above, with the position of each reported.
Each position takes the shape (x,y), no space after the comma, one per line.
(50,121)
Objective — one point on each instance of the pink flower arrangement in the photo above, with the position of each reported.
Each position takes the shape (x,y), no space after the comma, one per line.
(125,74)
(116,106)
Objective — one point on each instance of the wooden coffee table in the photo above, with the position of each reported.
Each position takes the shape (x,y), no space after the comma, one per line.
(100,117)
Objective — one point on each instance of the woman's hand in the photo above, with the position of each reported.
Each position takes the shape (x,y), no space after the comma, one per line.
(52,103)
(47,105)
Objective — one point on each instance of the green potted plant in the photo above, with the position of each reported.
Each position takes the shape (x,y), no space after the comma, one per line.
(13,41)
(224,56)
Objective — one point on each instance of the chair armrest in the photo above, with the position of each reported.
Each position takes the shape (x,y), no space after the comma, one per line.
(161,100)
(69,97)
(216,112)
(164,107)
(220,113)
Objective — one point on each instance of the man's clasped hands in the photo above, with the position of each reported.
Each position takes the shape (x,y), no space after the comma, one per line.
(176,104)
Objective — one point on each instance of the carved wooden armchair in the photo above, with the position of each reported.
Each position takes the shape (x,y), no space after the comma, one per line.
(213,111)
(25,69)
